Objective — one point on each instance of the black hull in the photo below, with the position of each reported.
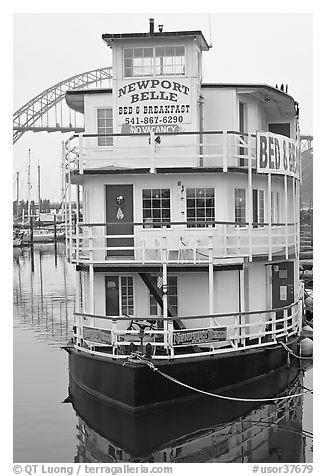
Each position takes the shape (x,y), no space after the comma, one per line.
(142,434)
(135,387)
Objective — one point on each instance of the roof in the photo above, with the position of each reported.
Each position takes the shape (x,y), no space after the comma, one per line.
(247,86)
(110,38)
(75,98)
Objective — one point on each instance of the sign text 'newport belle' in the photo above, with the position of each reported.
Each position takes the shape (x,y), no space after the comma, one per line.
(153,89)
(158,104)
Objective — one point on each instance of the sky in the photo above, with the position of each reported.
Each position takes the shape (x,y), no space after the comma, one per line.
(269,48)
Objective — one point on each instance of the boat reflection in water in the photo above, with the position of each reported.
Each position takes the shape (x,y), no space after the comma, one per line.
(208,430)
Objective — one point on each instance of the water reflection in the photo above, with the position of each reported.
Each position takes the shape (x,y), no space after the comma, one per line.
(206,431)
(44,292)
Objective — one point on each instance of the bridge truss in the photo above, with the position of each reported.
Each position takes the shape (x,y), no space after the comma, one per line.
(48,111)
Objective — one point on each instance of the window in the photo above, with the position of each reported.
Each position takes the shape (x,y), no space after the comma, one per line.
(159,61)
(243,127)
(258,205)
(127,295)
(105,126)
(169,60)
(156,207)
(240,205)
(200,206)
(138,62)
(154,308)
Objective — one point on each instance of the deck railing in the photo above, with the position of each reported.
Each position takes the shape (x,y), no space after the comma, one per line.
(178,242)
(219,149)
(118,336)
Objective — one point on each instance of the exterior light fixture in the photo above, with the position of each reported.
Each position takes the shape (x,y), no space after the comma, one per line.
(267,101)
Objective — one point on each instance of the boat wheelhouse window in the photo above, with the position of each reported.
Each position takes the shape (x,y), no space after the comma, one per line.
(200,207)
(240,205)
(154,308)
(159,61)
(258,207)
(105,126)
(138,62)
(169,60)
(156,207)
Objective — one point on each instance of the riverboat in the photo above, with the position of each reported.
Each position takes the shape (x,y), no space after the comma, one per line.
(187,252)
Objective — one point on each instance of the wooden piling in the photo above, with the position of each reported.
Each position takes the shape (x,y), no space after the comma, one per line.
(55,228)
(31,229)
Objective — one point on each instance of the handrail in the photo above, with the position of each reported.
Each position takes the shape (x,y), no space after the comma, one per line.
(179,133)
(204,316)
(239,335)
(193,223)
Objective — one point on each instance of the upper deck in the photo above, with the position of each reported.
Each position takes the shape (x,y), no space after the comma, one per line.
(184,152)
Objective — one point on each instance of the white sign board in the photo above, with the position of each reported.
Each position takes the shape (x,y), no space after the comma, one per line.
(154,105)
(277,154)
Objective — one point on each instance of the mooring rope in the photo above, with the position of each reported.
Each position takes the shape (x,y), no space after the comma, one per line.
(137,358)
(295,355)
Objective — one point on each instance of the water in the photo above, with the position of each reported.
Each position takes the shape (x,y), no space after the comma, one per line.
(52,426)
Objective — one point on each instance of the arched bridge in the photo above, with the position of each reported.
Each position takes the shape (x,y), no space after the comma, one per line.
(48,111)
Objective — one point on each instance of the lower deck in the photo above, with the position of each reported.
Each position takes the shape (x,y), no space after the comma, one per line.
(135,386)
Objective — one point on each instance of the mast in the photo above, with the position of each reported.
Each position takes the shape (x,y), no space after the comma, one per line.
(17,195)
(29,184)
(39,190)
(63,180)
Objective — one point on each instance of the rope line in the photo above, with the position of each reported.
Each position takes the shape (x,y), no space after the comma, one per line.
(224,397)
(137,358)
(295,355)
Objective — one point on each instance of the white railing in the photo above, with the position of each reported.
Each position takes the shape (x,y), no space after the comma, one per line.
(175,242)
(217,149)
(120,335)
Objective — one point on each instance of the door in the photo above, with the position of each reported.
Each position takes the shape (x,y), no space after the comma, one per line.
(282,284)
(112,307)
(119,215)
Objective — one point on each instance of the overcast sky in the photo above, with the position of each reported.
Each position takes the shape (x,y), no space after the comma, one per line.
(265,48)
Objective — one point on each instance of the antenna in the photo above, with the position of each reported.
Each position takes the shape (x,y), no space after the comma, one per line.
(210,30)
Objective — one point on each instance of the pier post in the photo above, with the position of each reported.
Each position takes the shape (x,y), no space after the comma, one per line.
(31,229)
(55,228)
